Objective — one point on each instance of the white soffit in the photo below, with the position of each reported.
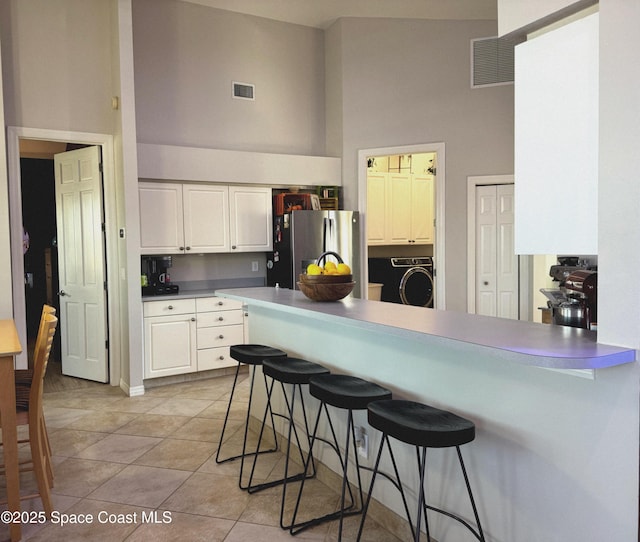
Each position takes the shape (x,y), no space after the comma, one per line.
(322,13)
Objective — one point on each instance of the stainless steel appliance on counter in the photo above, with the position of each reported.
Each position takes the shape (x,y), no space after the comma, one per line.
(575,303)
(299,237)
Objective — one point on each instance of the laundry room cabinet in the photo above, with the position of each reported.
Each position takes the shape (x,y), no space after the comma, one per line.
(400,209)
(190,218)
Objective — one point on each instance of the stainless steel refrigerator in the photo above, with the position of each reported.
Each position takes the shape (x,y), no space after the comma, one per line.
(300,237)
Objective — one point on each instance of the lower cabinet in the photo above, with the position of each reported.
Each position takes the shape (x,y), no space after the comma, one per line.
(191,334)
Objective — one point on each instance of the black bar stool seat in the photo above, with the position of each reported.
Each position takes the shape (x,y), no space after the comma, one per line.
(253,355)
(419,424)
(295,372)
(424,427)
(348,393)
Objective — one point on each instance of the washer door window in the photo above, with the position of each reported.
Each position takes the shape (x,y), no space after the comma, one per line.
(416,287)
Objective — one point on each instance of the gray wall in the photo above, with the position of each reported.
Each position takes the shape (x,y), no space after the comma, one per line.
(56,62)
(186,57)
(405,82)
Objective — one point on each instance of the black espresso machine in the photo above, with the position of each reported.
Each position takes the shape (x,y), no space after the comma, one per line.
(575,303)
(155,276)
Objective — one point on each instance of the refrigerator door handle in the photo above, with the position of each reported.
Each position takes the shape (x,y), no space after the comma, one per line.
(325,232)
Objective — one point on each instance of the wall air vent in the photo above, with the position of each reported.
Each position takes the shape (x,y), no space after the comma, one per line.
(243,91)
(491,62)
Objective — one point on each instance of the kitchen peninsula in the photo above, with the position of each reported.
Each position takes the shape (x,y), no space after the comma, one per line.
(555,456)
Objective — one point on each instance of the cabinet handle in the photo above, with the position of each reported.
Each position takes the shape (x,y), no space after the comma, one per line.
(220,319)
(188,248)
(220,336)
(233,247)
(221,358)
(220,303)
(193,319)
(170,307)
(181,248)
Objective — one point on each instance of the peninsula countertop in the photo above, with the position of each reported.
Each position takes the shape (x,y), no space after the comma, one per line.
(527,343)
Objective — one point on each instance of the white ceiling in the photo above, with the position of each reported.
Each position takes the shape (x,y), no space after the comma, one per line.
(322,13)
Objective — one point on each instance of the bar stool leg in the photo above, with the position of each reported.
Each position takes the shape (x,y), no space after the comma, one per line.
(246,427)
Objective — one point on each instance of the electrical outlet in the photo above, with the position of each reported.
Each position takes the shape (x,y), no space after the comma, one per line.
(254,266)
(362,442)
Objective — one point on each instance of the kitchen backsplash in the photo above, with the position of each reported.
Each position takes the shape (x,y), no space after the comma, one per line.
(210,267)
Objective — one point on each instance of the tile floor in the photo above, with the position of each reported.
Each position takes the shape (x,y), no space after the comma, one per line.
(124,456)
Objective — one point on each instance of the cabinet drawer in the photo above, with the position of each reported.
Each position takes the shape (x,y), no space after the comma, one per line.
(219,318)
(168,307)
(215,358)
(213,337)
(204,304)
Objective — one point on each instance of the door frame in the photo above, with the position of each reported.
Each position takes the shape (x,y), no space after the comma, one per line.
(524,282)
(439,250)
(14,135)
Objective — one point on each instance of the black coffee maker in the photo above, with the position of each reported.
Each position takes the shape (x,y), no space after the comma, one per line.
(155,276)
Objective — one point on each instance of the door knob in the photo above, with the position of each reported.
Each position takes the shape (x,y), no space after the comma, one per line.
(62,293)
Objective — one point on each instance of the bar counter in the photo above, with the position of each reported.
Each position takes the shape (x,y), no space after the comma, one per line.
(555,456)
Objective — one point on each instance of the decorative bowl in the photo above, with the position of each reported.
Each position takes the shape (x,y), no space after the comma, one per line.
(326,291)
(324,279)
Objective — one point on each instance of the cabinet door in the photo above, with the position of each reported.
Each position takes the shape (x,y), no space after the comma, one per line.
(161,218)
(399,195)
(376,208)
(170,345)
(206,218)
(422,212)
(250,219)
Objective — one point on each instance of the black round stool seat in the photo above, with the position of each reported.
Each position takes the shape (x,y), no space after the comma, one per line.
(419,424)
(345,391)
(253,354)
(292,370)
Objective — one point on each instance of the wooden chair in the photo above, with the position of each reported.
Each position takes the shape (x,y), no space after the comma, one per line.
(23,379)
(40,461)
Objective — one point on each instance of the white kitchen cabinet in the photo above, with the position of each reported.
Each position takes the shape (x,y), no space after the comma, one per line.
(190,334)
(177,218)
(161,218)
(169,338)
(250,218)
(220,324)
(400,209)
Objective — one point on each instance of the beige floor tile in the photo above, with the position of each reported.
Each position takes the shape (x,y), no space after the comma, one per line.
(140,485)
(201,429)
(219,410)
(60,416)
(186,527)
(69,442)
(119,448)
(176,406)
(244,532)
(177,454)
(93,530)
(153,425)
(141,403)
(79,477)
(209,495)
(102,421)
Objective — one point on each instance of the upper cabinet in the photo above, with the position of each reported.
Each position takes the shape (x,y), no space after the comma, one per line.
(400,209)
(178,218)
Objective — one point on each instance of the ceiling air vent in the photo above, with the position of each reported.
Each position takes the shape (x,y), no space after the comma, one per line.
(491,62)
(244,91)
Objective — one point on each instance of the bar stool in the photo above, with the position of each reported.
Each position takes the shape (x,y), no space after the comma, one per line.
(424,427)
(297,372)
(347,393)
(253,355)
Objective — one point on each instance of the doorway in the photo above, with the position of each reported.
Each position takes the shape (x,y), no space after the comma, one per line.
(430,162)
(498,279)
(16,198)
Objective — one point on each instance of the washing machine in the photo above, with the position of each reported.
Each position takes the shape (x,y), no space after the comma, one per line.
(405,280)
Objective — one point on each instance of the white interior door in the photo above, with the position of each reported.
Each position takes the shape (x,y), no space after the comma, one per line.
(496,263)
(81,263)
